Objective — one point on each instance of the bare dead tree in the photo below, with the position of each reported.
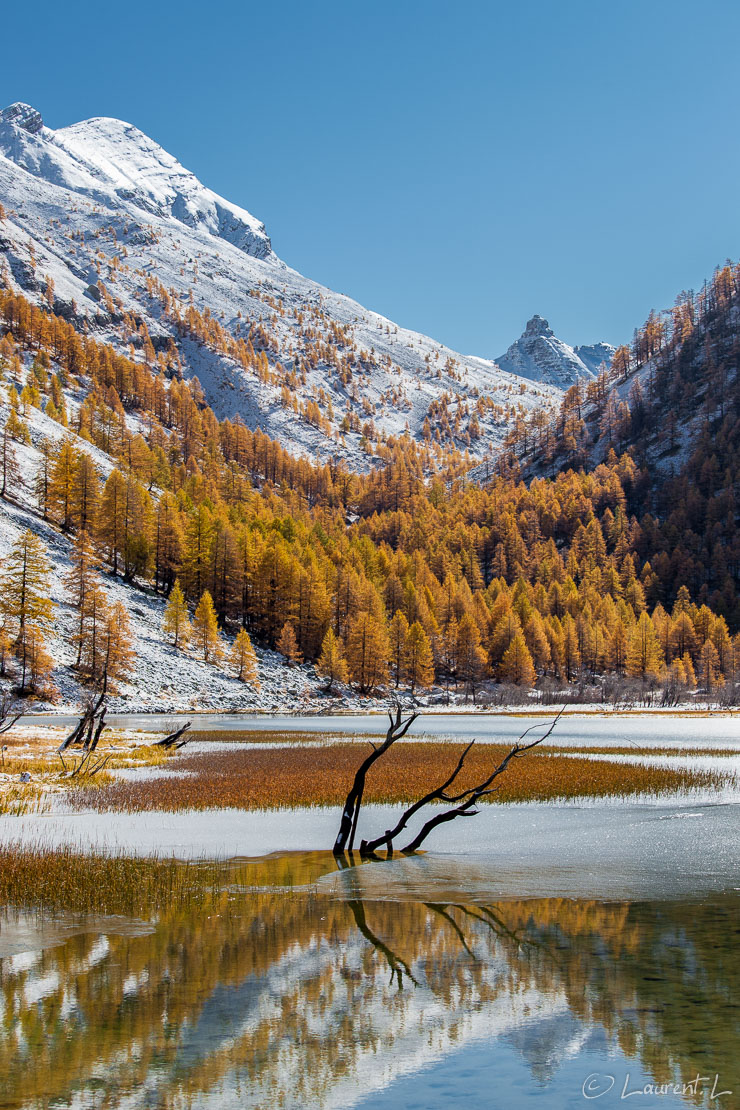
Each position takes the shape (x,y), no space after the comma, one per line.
(351,812)
(463,803)
(86,766)
(171,740)
(89,728)
(368,847)
(7,715)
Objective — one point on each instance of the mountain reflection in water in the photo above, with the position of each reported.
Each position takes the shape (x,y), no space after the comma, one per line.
(279,994)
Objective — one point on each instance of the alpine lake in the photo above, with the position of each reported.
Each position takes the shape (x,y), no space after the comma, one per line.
(539,954)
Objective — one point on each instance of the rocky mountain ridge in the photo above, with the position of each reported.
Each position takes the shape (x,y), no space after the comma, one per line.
(539,355)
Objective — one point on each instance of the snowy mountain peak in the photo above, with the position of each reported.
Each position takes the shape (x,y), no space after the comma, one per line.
(110,160)
(538,354)
(538,326)
(23,115)
(103,222)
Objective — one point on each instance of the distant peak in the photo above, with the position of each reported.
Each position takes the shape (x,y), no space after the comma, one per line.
(538,326)
(23,115)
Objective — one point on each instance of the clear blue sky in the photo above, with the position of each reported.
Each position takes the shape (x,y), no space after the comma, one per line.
(456,166)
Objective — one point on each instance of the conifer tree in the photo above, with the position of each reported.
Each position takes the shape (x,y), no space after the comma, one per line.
(418,662)
(35,662)
(471,657)
(80,579)
(17,428)
(617,647)
(287,644)
(516,665)
(244,659)
(709,669)
(43,475)
(536,640)
(93,619)
(176,619)
(24,585)
(197,551)
(85,494)
(397,632)
(689,671)
(643,650)
(168,542)
(111,515)
(367,653)
(205,630)
(682,637)
(571,655)
(60,497)
(331,663)
(118,649)
(11,475)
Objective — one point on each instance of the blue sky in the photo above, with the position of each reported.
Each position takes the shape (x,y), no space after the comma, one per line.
(457,167)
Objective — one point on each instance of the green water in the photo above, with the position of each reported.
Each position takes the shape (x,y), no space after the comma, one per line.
(278,994)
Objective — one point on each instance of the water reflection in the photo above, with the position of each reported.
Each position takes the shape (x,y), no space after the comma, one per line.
(281,995)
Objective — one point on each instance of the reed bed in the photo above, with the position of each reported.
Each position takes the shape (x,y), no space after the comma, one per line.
(65,878)
(275,777)
(19,799)
(283,738)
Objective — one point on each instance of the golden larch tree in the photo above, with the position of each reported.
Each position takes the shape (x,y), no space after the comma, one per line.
(176,619)
(205,630)
(331,663)
(243,659)
(418,661)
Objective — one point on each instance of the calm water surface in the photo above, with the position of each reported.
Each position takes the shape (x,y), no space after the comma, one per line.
(308,986)
(608,730)
(551,956)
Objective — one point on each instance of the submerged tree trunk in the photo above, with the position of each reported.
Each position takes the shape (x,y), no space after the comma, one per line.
(351,812)
(463,803)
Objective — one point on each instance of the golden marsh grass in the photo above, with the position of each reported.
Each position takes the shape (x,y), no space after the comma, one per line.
(88,882)
(281,777)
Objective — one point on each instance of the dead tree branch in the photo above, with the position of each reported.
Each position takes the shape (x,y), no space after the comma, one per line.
(367,847)
(467,799)
(171,740)
(463,803)
(351,812)
(85,729)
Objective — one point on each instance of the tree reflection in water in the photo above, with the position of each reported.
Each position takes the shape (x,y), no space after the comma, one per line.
(278,994)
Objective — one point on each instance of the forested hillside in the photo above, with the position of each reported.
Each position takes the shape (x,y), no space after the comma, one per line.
(672,401)
(402,577)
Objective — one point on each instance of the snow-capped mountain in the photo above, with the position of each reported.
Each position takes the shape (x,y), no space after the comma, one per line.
(539,355)
(115,233)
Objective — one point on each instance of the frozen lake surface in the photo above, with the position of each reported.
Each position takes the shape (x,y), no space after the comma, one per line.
(598,849)
(573,730)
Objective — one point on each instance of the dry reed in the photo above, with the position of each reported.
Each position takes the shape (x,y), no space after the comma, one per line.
(89,882)
(275,777)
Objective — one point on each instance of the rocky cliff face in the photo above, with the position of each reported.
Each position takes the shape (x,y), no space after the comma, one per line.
(538,354)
